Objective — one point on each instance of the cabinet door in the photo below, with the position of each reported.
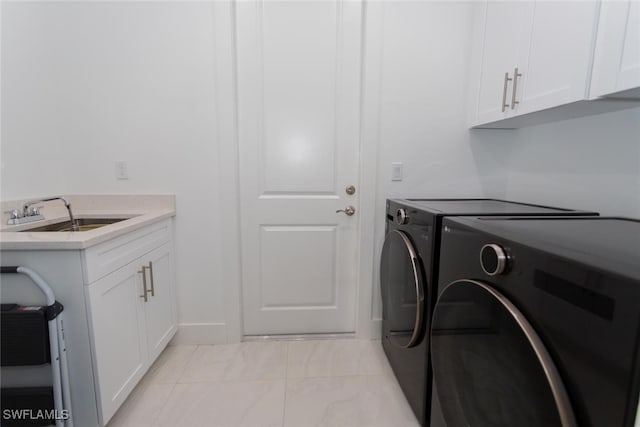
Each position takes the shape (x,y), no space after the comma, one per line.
(616,64)
(629,71)
(507,26)
(159,309)
(116,320)
(560,54)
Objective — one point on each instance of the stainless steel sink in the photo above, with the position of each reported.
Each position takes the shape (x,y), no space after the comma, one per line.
(85,224)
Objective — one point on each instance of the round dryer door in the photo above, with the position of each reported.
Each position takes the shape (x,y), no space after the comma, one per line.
(490,368)
(402,283)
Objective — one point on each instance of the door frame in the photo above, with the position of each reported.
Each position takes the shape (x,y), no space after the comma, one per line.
(230,274)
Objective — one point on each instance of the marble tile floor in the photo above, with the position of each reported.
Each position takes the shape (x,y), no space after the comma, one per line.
(338,382)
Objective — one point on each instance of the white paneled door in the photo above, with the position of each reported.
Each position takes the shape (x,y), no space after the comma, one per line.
(299,115)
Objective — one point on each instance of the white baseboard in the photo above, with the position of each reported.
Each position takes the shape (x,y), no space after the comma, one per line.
(371,330)
(200,333)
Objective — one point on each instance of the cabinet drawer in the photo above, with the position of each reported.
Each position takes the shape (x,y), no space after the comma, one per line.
(109,256)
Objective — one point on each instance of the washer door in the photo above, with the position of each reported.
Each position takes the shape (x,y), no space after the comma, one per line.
(490,368)
(402,283)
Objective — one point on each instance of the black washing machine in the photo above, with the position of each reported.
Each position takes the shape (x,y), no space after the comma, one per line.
(408,274)
(537,323)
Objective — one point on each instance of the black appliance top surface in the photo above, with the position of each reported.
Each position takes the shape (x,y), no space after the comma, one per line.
(471,207)
(611,244)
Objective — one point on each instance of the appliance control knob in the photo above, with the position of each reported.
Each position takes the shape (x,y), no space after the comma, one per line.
(493,259)
(401,216)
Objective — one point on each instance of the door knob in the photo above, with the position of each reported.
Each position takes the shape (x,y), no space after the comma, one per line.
(349,210)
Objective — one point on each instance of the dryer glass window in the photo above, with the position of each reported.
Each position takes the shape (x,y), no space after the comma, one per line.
(489,366)
(402,282)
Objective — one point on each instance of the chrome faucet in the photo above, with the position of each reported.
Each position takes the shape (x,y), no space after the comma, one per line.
(34,211)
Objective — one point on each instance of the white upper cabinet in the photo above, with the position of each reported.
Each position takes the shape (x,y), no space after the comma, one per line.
(506,33)
(535,55)
(543,61)
(558,63)
(616,66)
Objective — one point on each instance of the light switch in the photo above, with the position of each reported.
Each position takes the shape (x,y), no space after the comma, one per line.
(396,171)
(121,170)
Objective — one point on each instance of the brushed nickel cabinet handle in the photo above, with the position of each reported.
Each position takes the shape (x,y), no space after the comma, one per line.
(153,289)
(507,79)
(516,74)
(144,283)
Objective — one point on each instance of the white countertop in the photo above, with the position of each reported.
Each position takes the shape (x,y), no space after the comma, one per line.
(140,210)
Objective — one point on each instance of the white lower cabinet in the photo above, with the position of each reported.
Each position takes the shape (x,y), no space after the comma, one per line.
(132,317)
(159,313)
(118,337)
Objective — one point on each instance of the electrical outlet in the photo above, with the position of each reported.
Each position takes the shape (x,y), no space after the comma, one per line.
(121,170)
(396,171)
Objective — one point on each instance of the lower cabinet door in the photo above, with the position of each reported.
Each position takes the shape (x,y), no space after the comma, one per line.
(116,318)
(160,308)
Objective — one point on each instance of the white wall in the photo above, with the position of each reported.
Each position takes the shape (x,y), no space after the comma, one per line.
(423,105)
(589,163)
(85,84)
